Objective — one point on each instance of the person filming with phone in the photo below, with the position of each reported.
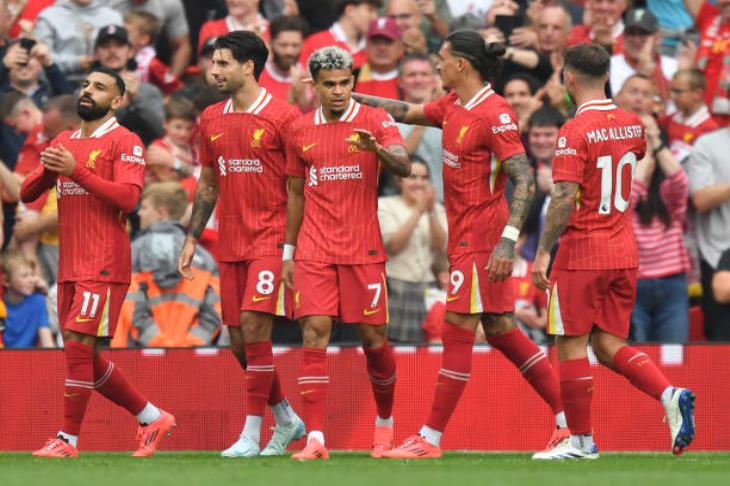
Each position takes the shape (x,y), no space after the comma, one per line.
(507,24)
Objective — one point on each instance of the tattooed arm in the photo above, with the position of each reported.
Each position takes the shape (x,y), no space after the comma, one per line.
(562,203)
(400,110)
(206,195)
(518,170)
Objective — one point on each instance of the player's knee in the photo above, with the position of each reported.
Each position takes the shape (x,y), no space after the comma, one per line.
(372,336)
(315,333)
(497,324)
(255,327)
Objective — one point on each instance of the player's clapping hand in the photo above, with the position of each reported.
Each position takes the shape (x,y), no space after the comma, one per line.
(363,139)
(185,261)
(287,273)
(540,269)
(58,160)
(502,261)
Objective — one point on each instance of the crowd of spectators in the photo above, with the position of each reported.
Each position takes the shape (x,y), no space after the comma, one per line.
(670,65)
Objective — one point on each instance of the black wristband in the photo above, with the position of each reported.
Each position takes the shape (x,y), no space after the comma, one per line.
(661,147)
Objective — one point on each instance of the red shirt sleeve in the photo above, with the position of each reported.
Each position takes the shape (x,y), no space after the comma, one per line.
(204,149)
(295,165)
(129,163)
(503,133)
(435,111)
(570,156)
(708,13)
(387,132)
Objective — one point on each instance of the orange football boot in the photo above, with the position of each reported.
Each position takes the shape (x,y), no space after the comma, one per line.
(382,441)
(414,447)
(57,447)
(150,435)
(313,450)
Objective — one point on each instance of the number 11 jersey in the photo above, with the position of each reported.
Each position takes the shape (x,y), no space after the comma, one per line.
(599,149)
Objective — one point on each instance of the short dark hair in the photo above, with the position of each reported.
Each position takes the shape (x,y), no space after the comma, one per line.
(245,46)
(533,83)
(547,116)
(110,72)
(288,23)
(695,77)
(343,4)
(484,57)
(590,60)
(181,108)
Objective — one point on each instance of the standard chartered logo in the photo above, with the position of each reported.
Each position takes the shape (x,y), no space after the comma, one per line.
(312,176)
(222,165)
(239,166)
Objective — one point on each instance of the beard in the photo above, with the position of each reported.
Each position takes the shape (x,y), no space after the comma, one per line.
(283,62)
(92,112)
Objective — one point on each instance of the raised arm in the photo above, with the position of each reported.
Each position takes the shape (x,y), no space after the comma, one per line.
(562,203)
(694,7)
(400,110)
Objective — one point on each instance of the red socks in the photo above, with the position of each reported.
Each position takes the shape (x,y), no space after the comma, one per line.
(453,376)
(641,371)
(381,369)
(313,382)
(532,363)
(276,395)
(111,382)
(79,385)
(259,376)
(576,389)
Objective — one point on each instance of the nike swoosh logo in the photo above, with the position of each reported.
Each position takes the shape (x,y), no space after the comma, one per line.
(307,147)
(452,298)
(215,137)
(256,298)
(69,395)
(84,319)
(306,391)
(370,312)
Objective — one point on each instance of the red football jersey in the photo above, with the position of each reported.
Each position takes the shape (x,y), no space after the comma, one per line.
(477,136)
(683,132)
(247,151)
(582,34)
(29,156)
(93,240)
(378,84)
(334,36)
(341,188)
(599,150)
(277,84)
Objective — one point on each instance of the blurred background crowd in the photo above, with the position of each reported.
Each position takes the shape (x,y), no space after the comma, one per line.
(670,64)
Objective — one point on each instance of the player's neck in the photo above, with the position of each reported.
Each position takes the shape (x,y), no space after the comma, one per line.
(688,113)
(244,97)
(589,95)
(353,36)
(89,127)
(468,88)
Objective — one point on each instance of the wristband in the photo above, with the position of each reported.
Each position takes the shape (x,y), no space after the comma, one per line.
(288,253)
(511,233)
(659,148)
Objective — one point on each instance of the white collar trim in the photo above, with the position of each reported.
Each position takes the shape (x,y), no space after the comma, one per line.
(256,107)
(599,105)
(102,130)
(348,116)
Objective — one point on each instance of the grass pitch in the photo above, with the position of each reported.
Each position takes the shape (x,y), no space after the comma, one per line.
(351,469)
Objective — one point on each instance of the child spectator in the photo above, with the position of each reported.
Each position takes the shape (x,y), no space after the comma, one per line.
(165,309)
(171,158)
(26,325)
(144,29)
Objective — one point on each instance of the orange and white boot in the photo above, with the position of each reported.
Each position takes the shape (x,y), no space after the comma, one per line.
(382,441)
(414,447)
(57,448)
(313,450)
(150,435)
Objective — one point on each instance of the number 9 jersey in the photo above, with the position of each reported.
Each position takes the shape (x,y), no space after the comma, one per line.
(599,150)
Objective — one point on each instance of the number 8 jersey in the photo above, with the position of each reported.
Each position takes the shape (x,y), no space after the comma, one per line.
(599,150)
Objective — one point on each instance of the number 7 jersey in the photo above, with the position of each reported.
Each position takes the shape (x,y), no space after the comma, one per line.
(599,150)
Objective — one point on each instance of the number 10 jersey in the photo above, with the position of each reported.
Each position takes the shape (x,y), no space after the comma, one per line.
(599,149)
